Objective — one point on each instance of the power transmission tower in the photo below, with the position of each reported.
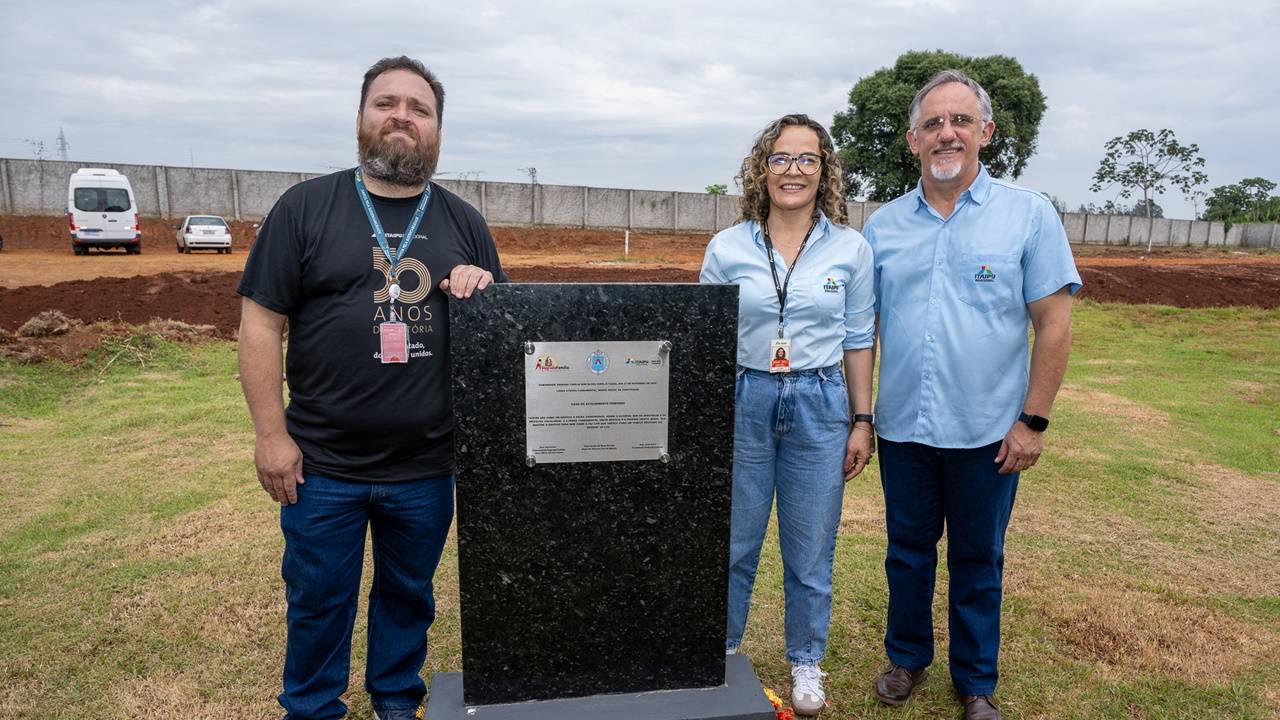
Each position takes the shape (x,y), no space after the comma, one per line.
(63,147)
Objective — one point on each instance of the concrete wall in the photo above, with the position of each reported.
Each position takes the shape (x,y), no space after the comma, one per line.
(1074,224)
(1258,235)
(578,206)
(1159,231)
(1117,230)
(1139,230)
(1135,231)
(40,187)
(608,207)
(1095,230)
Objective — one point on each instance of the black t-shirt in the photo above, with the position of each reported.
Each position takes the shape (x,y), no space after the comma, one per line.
(317,261)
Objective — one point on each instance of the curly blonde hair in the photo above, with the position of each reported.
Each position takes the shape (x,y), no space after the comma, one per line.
(754,174)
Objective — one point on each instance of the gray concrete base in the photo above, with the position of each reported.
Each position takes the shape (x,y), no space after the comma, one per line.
(740,698)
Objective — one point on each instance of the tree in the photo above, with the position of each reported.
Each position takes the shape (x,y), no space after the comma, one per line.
(1111,207)
(1249,200)
(1196,198)
(1227,203)
(718,189)
(1259,192)
(1148,209)
(871,133)
(1058,203)
(1149,162)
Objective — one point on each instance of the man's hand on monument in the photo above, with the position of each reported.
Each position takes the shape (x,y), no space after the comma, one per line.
(464,280)
(1020,449)
(857,452)
(279,464)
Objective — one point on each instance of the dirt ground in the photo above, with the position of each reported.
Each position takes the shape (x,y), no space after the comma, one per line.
(38,271)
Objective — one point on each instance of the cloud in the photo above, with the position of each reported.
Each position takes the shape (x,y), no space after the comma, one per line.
(661,95)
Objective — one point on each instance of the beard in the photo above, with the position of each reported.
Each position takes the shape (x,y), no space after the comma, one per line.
(950,172)
(396,162)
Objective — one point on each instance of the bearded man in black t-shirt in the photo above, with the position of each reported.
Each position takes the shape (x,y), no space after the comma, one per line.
(362,264)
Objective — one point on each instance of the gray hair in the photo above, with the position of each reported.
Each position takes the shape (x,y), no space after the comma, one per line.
(942,78)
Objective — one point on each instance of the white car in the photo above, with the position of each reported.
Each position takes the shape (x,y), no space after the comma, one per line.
(204,232)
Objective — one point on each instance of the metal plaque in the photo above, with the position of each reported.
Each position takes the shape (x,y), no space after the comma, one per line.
(596,401)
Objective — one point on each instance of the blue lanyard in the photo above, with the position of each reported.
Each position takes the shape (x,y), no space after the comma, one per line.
(393,257)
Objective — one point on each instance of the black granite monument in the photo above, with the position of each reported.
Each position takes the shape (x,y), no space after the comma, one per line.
(595,588)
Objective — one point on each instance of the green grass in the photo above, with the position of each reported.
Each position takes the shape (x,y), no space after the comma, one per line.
(139,560)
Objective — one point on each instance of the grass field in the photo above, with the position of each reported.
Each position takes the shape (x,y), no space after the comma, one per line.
(139,560)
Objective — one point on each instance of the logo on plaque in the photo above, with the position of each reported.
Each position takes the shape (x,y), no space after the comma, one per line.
(547,363)
(598,362)
(653,361)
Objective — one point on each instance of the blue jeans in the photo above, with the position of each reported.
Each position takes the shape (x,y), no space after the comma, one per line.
(923,488)
(789,436)
(324,536)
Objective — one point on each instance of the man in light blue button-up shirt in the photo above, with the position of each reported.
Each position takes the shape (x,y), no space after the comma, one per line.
(964,265)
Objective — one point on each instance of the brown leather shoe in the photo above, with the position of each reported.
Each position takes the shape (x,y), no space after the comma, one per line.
(896,684)
(979,707)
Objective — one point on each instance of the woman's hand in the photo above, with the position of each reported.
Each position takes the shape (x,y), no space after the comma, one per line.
(858,451)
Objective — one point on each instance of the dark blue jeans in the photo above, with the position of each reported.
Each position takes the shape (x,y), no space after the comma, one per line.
(324,536)
(923,488)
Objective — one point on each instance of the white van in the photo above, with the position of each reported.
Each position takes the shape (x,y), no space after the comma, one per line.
(102,211)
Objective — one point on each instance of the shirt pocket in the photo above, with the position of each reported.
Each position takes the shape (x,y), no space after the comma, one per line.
(989,281)
(826,292)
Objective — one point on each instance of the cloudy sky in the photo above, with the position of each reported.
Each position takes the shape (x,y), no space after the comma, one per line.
(660,95)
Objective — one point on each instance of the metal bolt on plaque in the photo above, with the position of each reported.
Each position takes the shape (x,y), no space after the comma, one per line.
(530,460)
(664,457)
(528,347)
(664,347)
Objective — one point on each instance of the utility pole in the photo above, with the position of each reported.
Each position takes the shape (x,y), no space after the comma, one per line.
(532,172)
(37,148)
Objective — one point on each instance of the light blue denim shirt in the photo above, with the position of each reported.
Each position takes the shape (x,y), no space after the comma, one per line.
(952,301)
(830,306)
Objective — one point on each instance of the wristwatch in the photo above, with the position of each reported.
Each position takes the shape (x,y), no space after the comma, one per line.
(864,417)
(1035,422)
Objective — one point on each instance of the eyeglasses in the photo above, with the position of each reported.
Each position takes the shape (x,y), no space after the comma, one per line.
(806,163)
(959,121)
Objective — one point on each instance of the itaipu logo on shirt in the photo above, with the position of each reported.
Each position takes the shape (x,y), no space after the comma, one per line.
(832,285)
(985,274)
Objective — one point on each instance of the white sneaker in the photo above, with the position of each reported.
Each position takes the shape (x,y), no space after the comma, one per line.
(807,696)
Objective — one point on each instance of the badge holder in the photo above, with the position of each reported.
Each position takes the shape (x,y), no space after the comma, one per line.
(394,335)
(780,355)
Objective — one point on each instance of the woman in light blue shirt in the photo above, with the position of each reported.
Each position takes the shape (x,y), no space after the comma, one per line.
(805,303)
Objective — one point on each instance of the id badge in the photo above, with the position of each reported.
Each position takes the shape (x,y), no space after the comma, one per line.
(395,342)
(780,355)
